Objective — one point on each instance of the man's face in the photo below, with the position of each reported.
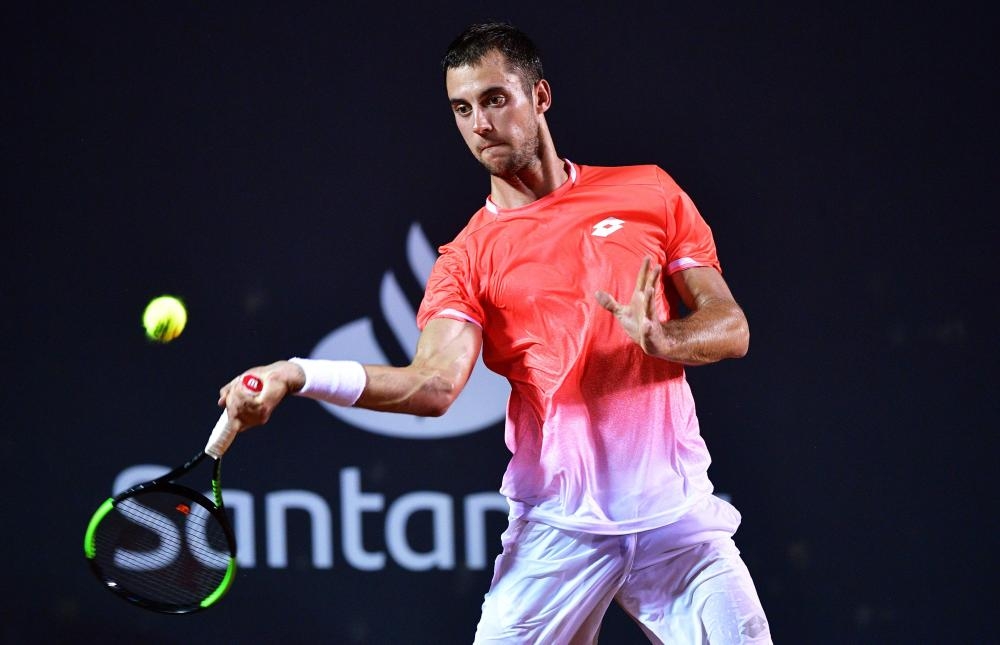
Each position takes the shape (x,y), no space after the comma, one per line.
(497,119)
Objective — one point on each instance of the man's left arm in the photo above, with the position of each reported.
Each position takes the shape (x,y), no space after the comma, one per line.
(716,327)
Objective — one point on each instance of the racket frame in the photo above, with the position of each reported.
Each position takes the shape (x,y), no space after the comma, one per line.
(166,483)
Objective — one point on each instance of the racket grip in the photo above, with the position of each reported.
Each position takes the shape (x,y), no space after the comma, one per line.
(221,438)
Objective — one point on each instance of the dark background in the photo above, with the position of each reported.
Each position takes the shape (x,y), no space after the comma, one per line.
(265,163)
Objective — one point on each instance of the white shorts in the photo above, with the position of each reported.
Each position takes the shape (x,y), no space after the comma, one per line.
(683,584)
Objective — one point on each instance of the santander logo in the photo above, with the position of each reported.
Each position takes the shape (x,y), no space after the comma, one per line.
(482,402)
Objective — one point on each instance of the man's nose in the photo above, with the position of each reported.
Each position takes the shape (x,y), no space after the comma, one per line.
(480,123)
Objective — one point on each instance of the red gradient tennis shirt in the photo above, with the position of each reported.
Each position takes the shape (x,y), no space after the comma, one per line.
(603,438)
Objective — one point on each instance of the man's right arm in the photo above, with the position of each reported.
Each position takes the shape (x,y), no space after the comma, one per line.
(446,353)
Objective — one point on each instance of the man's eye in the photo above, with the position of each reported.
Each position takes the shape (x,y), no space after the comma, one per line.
(499,99)
(462,110)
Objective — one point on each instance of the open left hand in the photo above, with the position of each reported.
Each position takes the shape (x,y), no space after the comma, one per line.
(638,318)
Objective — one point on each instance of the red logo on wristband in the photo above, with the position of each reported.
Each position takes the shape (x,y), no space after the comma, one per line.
(253,383)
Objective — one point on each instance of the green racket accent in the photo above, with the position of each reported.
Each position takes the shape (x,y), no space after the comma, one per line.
(216,486)
(223,586)
(88,538)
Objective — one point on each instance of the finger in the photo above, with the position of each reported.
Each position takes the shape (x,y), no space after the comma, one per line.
(243,414)
(640,279)
(653,275)
(651,286)
(224,394)
(607,301)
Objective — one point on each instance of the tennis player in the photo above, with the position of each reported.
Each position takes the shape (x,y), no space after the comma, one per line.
(590,289)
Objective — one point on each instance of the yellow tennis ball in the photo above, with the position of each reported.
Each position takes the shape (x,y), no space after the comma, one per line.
(164,318)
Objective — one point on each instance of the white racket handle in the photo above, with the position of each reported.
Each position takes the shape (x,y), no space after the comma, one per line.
(221,438)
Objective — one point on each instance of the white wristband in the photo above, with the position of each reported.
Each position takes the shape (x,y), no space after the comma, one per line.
(337,382)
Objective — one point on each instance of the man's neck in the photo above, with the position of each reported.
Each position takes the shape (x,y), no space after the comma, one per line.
(531,183)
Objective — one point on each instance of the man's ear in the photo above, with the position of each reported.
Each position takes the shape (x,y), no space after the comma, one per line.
(543,96)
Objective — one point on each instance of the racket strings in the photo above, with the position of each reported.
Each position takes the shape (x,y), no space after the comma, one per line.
(162,548)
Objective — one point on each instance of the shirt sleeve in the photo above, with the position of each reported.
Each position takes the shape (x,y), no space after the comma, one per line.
(449,292)
(689,238)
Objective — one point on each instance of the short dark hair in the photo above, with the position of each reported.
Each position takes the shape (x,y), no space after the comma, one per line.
(478,40)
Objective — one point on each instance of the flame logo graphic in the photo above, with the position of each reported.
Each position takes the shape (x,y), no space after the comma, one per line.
(482,402)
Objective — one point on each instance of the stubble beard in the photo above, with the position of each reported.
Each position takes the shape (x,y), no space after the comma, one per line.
(520,158)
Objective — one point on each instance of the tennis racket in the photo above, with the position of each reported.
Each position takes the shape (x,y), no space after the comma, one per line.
(166,547)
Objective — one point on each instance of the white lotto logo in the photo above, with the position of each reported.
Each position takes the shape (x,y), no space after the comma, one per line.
(482,402)
(608,226)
